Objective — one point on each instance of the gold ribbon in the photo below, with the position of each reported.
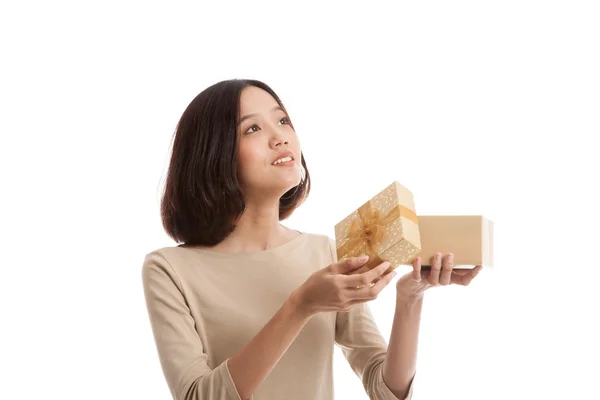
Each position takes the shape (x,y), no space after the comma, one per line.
(368,231)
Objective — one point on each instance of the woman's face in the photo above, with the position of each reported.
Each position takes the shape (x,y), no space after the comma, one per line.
(264,133)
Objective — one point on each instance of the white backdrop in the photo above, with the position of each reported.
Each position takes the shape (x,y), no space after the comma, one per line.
(478,107)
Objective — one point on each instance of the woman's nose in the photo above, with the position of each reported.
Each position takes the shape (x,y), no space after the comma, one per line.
(279,137)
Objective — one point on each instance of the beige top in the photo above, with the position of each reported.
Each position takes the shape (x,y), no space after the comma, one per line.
(204,306)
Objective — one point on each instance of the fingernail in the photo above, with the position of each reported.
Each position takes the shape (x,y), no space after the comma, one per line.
(363,258)
(438,256)
(450,257)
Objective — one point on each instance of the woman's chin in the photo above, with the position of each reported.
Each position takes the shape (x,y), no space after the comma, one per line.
(291,181)
(291,187)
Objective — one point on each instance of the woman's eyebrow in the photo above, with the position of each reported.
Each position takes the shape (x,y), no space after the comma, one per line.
(245,117)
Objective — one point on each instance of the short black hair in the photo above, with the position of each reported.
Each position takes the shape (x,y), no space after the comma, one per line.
(202,198)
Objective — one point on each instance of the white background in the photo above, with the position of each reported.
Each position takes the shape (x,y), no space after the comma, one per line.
(478,107)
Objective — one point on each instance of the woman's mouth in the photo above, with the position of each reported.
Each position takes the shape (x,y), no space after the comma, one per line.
(284,162)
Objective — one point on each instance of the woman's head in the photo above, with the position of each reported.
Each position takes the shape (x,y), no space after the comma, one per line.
(222,160)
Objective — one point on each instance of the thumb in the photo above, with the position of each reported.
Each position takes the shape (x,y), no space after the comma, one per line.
(349,264)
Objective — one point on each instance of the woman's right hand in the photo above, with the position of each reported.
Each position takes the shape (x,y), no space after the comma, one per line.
(330,289)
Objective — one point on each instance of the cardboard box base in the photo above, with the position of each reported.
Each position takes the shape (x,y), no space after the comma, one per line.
(468,237)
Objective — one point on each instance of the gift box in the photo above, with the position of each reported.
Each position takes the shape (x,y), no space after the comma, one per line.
(385,228)
(468,237)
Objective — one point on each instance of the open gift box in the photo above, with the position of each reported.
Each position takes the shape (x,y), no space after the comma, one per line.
(387,228)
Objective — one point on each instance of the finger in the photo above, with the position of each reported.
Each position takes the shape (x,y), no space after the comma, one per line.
(466,279)
(417,269)
(460,271)
(353,281)
(349,264)
(447,267)
(370,292)
(365,278)
(436,267)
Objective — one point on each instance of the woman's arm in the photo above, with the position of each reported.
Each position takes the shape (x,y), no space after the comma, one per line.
(181,352)
(253,363)
(400,363)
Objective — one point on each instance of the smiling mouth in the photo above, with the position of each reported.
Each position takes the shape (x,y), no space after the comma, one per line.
(285,164)
(284,160)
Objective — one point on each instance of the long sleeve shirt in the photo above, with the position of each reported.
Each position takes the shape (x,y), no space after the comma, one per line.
(205,305)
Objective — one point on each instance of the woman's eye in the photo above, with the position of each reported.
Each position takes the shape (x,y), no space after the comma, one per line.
(283,121)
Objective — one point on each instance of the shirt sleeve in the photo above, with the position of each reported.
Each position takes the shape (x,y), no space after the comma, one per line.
(180,350)
(364,347)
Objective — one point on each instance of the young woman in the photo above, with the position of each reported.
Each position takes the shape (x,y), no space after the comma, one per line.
(245,308)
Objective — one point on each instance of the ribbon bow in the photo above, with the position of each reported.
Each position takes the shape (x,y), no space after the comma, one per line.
(367,232)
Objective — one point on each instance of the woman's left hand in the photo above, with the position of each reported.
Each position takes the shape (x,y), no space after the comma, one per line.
(442,273)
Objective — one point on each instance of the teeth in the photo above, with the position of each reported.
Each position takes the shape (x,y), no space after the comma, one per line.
(285,159)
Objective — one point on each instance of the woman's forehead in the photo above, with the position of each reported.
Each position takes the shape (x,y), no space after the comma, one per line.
(255,100)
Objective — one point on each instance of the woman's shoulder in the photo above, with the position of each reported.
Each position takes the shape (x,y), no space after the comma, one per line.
(321,243)
(171,255)
(316,236)
(316,240)
(168,258)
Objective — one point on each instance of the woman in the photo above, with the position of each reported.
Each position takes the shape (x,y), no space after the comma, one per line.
(246,308)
